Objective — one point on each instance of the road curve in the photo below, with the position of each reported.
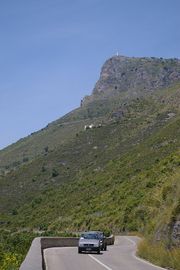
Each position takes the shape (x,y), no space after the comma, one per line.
(121,256)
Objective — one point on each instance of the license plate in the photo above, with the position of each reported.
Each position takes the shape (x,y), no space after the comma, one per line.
(88,248)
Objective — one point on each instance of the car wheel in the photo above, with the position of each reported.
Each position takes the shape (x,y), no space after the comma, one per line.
(79,250)
(99,251)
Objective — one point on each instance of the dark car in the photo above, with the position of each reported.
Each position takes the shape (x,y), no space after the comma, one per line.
(102,240)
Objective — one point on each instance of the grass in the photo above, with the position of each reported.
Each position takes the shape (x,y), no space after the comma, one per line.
(159,254)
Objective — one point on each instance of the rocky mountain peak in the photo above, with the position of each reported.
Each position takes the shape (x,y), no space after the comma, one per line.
(134,75)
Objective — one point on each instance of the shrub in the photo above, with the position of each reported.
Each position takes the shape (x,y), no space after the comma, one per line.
(14,212)
(43,169)
(54,173)
(11,261)
(46,149)
(25,159)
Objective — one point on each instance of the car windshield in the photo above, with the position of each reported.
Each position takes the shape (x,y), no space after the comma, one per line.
(100,235)
(90,236)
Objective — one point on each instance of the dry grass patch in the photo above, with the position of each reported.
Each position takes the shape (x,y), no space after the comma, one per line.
(159,254)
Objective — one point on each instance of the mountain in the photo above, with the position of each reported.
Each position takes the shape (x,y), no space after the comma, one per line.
(120,173)
(121,80)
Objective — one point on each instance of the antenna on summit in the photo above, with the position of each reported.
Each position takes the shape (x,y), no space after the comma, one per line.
(117,54)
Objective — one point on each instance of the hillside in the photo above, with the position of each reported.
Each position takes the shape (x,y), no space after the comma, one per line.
(94,148)
(122,79)
(122,175)
(123,195)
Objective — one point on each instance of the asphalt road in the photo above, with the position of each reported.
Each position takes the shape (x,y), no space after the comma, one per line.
(120,256)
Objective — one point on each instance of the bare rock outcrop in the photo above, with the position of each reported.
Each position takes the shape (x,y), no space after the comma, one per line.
(135,75)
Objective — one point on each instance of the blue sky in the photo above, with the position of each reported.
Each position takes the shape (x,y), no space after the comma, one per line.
(51,52)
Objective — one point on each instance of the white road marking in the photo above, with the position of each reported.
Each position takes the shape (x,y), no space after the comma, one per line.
(105,266)
(141,260)
(133,242)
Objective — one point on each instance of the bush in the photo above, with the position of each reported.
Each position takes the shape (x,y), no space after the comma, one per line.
(13,248)
(14,212)
(25,159)
(11,261)
(54,173)
(46,149)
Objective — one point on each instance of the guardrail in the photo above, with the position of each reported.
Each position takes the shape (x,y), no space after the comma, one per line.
(35,259)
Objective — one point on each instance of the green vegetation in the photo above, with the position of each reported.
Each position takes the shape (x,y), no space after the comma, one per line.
(13,248)
(124,197)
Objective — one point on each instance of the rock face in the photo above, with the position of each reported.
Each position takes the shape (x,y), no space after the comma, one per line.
(169,233)
(176,233)
(137,75)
